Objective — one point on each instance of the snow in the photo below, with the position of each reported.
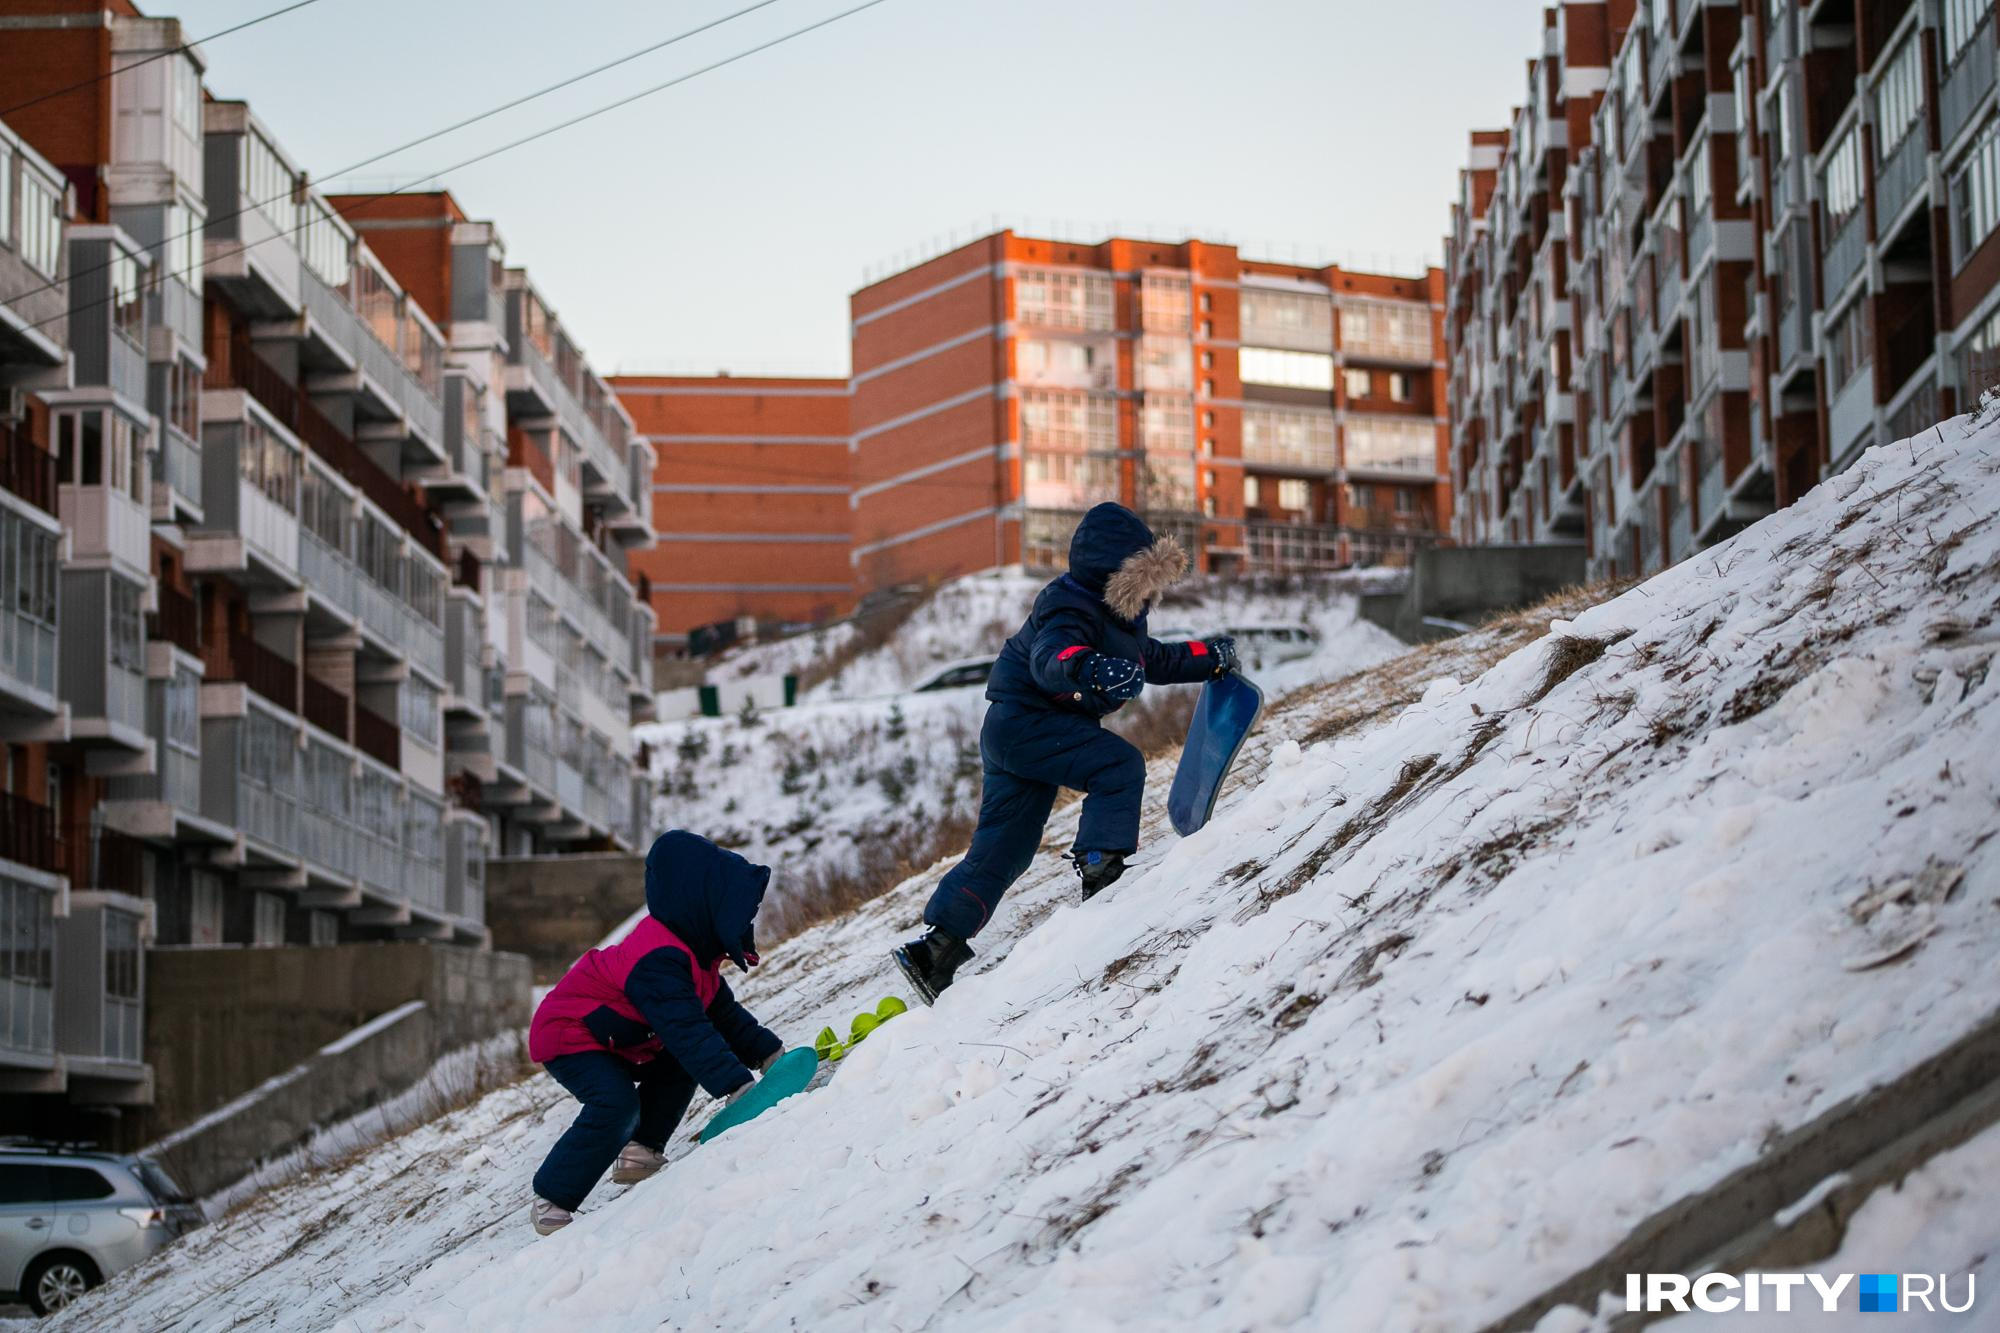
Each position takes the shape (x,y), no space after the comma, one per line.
(1457,987)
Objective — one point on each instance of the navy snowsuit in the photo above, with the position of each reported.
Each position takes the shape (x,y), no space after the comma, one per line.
(1042,731)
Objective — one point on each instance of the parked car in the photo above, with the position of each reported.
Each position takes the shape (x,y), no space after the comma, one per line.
(70,1218)
(957,675)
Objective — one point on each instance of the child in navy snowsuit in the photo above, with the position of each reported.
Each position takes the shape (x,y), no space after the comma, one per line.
(631,1029)
(1082,654)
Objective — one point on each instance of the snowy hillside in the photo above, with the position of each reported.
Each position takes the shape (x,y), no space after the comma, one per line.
(846,796)
(1462,982)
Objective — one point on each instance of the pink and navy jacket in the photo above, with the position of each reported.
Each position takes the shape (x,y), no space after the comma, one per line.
(658,992)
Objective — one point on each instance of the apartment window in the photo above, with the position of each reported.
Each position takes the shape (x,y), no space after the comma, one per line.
(1167,483)
(1282,369)
(1843,180)
(28,583)
(1294,494)
(270,465)
(325,246)
(379,550)
(422,711)
(1975,194)
(1962,18)
(128,631)
(1979,358)
(1391,444)
(271,184)
(180,256)
(1847,339)
(181,700)
(98,447)
(41,226)
(1074,421)
(1289,319)
(1163,303)
(204,907)
(1361,497)
(128,305)
(1899,97)
(1253,492)
(1359,383)
(184,391)
(267,921)
(1406,501)
(425,592)
(6,194)
(1399,388)
(1207,302)
(121,956)
(323,928)
(1167,363)
(1208,421)
(1393,329)
(27,940)
(1207,360)
(1040,358)
(1064,299)
(1166,423)
(323,508)
(1298,438)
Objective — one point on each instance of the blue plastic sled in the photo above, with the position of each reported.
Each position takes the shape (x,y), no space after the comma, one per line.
(789,1076)
(1223,718)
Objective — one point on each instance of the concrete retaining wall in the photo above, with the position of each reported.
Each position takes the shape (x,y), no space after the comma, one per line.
(221,1021)
(552,908)
(1466,584)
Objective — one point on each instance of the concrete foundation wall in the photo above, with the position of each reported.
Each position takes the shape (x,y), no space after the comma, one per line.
(221,1021)
(1466,584)
(553,908)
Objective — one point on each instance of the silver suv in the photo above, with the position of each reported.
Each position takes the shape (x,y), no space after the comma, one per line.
(70,1218)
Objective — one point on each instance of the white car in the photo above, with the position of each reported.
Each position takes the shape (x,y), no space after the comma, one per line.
(959,675)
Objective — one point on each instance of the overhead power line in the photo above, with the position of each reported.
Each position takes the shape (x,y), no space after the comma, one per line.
(420,140)
(157,55)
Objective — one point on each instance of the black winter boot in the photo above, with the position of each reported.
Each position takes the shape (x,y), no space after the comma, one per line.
(1098,871)
(931,962)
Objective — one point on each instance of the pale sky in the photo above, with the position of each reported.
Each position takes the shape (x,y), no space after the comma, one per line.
(721,224)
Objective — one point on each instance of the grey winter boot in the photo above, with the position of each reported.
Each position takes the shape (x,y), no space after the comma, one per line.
(548,1218)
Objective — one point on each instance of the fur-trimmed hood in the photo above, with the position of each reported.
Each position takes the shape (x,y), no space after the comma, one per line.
(1116,556)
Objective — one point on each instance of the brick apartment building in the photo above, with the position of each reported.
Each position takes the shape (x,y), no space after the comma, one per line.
(283,595)
(750,497)
(1276,417)
(1721,250)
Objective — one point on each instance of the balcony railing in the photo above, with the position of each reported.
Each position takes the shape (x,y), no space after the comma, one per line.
(1967,84)
(29,836)
(267,672)
(1282,547)
(326,707)
(327,571)
(27,470)
(177,621)
(1916,410)
(1898,178)
(377,737)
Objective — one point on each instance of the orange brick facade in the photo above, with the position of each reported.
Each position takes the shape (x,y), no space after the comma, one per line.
(751,494)
(1273,416)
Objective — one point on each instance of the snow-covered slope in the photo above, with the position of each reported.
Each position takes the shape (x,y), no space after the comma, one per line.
(1450,994)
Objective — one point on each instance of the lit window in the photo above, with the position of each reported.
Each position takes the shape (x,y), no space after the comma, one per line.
(1294,494)
(1284,369)
(1399,387)
(1359,383)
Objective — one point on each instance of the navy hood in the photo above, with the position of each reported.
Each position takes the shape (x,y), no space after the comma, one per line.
(1109,535)
(706,895)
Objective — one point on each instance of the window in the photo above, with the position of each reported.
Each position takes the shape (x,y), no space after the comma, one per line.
(6,194)
(1406,500)
(1287,319)
(1042,358)
(426,589)
(28,571)
(41,226)
(1166,363)
(1068,481)
(422,711)
(1399,388)
(1289,370)
(121,960)
(99,448)
(181,700)
(1289,438)
(1064,299)
(184,389)
(1899,97)
(69,1184)
(1166,423)
(1975,195)
(1253,492)
(1163,303)
(269,464)
(1391,444)
(1396,330)
(128,633)
(1294,494)
(380,553)
(1847,339)
(270,183)
(1962,18)
(24,1183)
(1843,180)
(267,921)
(1359,383)
(1068,421)
(128,305)
(180,254)
(27,940)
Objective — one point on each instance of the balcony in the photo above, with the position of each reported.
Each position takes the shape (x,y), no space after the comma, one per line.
(100,972)
(268,673)
(1914,409)
(29,836)
(177,480)
(1900,177)
(108,523)
(107,318)
(465,865)
(27,993)
(104,668)
(537,388)
(329,576)
(390,401)
(1967,86)
(34,305)
(251,254)
(165,805)
(326,708)
(27,470)
(1291,547)
(250,526)
(377,737)
(30,703)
